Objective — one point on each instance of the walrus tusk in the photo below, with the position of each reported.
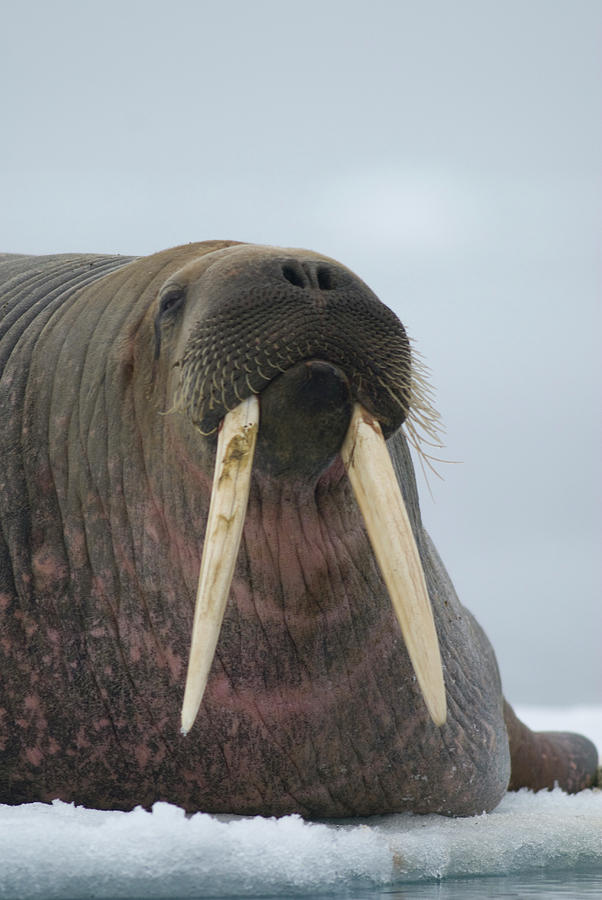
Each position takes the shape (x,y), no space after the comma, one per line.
(371,474)
(370,471)
(227,509)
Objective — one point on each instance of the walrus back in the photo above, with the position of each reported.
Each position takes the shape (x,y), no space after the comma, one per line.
(32,290)
(32,287)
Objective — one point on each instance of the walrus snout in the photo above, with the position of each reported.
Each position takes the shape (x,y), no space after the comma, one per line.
(253,316)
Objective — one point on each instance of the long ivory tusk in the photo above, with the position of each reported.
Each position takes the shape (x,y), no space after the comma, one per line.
(370,471)
(227,509)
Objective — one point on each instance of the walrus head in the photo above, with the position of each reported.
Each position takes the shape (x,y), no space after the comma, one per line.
(290,353)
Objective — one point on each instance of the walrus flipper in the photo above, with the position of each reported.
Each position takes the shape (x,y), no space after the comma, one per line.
(546,759)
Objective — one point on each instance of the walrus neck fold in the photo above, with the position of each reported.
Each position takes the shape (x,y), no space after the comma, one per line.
(371,474)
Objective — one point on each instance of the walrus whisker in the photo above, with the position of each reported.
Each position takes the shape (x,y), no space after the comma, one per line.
(174,408)
(424,459)
(207,432)
(273,365)
(261,375)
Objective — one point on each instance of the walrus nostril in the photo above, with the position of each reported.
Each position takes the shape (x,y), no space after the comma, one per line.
(309,275)
(295,274)
(325,278)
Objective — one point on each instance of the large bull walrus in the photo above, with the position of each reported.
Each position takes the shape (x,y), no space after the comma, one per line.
(215,588)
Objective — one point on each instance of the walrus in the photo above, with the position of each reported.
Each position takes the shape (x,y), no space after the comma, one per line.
(215,586)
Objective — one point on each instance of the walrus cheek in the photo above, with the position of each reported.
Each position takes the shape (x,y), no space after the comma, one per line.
(371,474)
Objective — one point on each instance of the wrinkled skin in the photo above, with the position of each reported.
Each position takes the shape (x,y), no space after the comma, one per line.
(312,704)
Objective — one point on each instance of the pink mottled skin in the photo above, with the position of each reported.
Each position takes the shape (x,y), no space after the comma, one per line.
(312,704)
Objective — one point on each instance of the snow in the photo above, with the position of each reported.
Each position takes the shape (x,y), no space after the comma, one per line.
(63,851)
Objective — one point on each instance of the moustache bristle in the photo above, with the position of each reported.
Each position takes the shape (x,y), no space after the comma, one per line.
(216,374)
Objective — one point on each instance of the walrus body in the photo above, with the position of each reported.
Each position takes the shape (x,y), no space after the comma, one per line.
(107,435)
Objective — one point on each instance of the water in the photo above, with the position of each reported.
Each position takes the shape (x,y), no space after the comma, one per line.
(582,885)
(574,885)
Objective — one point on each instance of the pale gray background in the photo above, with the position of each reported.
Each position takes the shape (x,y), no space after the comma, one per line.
(449,152)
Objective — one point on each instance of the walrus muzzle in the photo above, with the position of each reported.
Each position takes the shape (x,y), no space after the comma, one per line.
(371,474)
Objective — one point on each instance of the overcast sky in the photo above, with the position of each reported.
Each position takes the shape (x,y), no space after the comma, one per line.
(449,153)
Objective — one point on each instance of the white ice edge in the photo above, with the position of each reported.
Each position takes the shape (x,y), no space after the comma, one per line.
(62,851)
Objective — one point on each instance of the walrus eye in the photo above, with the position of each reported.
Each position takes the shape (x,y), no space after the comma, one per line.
(171,300)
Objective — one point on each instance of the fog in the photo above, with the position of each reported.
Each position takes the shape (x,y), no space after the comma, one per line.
(449,153)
